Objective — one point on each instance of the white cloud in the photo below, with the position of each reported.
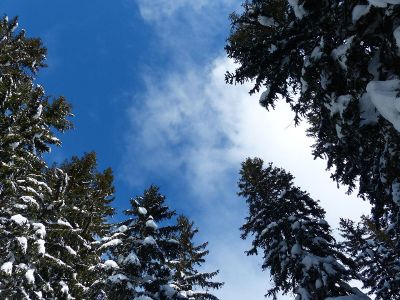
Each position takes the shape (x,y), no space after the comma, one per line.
(186,29)
(193,129)
(195,123)
(156,10)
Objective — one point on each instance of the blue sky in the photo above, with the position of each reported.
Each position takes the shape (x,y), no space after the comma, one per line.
(146,81)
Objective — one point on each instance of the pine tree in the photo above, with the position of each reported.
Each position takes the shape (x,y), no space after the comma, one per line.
(187,279)
(289,227)
(140,250)
(27,120)
(75,220)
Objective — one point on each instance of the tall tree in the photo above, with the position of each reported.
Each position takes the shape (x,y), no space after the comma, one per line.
(376,255)
(297,244)
(187,279)
(140,251)
(75,221)
(337,65)
(28,119)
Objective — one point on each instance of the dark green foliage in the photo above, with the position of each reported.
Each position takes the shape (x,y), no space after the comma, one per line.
(76,218)
(27,121)
(304,61)
(142,247)
(152,257)
(53,221)
(376,254)
(89,194)
(26,115)
(187,279)
(50,218)
(289,228)
(336,63)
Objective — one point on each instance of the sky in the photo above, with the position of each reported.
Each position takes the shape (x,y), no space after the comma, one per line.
(146,82)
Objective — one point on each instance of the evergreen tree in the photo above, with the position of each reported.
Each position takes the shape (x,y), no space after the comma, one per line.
(377,257)
(28,119)
(337,65)
(186,276)
(289,227)
(76,219)
(140,251)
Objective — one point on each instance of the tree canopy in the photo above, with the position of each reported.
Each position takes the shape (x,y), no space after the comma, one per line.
(291,230)
(336,63)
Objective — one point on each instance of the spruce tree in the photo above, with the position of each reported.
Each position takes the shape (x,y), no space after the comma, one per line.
(76,220)
(28,119)
(337,65)
(140,251)
(289,228)
(377,257)
(190,282)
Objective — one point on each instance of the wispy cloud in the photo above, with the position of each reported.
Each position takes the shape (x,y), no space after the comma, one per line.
(158,10)
(187,122)
(188,30)
(192,124)
(188,129)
